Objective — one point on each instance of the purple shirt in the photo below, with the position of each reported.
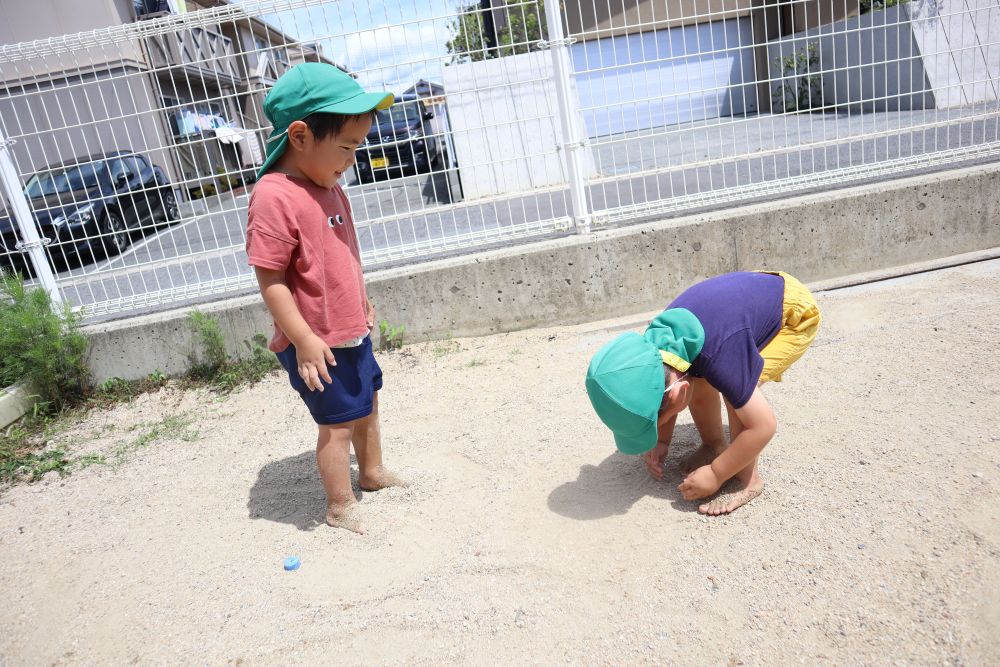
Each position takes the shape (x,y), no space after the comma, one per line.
(741,313)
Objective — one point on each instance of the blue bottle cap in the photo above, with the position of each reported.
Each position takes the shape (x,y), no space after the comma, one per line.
(292,563)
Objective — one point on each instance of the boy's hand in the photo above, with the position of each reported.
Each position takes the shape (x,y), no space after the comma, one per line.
(369,314)
(312,356)
(701,483)
(654,459)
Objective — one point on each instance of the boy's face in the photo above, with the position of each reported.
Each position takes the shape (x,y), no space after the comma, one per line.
(324,161)
(676,398)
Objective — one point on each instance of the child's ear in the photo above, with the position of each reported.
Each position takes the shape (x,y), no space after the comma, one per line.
(684,392)
(298,133)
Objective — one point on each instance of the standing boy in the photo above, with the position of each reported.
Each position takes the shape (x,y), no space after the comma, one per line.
(726,335)
(303,247)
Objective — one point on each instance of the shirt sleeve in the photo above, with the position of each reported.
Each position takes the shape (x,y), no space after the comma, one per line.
(272,233)
(735,368)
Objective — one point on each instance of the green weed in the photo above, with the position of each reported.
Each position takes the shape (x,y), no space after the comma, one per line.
(214,365)
(41,344)
(390,337)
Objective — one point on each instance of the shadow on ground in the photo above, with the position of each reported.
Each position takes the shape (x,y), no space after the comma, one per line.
(619,481)
(290,491)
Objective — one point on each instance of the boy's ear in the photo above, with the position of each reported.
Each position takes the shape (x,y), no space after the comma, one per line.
(298,133)
(681,394)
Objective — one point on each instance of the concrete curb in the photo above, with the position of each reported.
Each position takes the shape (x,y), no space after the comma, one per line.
(617,272)
(15,401)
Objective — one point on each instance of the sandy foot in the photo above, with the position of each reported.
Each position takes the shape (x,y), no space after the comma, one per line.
(381,479)
(345,516)
(727,502)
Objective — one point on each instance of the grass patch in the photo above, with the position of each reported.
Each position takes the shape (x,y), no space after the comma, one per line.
(174,427)
(476,363)
(446,346)
(212,365)
(24,455)
(390,337)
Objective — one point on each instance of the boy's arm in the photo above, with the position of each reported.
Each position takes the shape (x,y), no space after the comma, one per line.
(654,458)
(311,352)
(759,426)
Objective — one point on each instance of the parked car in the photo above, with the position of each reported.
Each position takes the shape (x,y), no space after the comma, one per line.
(90,207)
(400,142)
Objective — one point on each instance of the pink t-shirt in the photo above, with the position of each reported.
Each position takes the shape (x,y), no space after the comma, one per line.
(307,231)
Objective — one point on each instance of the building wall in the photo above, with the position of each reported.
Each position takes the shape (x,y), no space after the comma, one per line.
(594,19)
(99,112)
(27,20)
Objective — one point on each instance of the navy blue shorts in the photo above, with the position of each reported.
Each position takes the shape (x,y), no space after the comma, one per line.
(350,396)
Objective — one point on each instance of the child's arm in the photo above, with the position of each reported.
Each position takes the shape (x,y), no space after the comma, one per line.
(759,426)
(311,353)
(654,458)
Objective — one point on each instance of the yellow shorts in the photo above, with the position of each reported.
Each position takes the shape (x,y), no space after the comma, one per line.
(799,323)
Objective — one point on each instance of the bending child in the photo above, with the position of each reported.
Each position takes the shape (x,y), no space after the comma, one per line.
(723,337)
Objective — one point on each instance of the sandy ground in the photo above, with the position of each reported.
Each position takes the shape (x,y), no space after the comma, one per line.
(525,538)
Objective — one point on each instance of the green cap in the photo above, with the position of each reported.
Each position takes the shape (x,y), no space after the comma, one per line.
(625,384)
(678,335)
(311,88)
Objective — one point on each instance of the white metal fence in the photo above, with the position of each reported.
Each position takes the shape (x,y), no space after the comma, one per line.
(127,151)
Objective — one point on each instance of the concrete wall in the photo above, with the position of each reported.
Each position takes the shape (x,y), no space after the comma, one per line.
(623,271)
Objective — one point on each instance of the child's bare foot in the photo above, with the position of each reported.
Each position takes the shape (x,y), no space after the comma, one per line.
(346,516)
(729,501)
(702,456)
(380,478)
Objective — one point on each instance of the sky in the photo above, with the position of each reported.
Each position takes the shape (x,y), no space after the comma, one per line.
(389,44)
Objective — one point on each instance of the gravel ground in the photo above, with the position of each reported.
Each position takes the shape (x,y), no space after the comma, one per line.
(524,537)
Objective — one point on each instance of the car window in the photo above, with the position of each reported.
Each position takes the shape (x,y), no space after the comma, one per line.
(407,112)
(118,167)
(77,177)
(135,165)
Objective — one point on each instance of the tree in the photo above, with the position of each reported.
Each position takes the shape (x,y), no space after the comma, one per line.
(520,29)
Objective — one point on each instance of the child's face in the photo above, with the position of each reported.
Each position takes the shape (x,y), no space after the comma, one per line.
(325,160)
(676,398)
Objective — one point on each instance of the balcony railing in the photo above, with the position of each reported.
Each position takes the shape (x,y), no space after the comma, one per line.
(199,49)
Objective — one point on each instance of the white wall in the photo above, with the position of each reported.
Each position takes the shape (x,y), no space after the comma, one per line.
(919,55)
(504,125)
(959,42)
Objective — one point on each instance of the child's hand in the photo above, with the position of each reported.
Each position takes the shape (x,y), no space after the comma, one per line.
(312,356)
(654,459)
(369,314)
(701,483)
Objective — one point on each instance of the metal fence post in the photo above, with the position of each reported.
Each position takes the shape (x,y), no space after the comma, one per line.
(573,144)
(30,243)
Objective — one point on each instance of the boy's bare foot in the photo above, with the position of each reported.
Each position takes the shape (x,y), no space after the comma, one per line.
(380,479)
(731,500)
(702,456)
(345,516)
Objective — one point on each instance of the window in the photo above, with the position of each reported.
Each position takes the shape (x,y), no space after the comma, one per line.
(150,8)
(78,177)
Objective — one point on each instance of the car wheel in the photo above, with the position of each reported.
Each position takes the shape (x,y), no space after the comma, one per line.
(116,237)
(171,211)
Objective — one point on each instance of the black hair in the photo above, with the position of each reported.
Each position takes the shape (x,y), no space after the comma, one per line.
(323,125)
